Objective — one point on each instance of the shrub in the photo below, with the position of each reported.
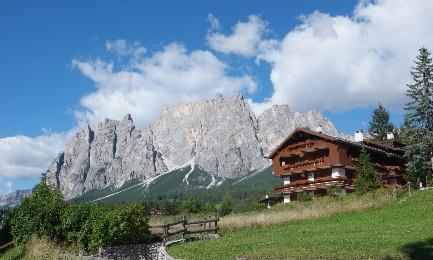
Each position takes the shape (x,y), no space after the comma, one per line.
(227,206)
(366,179)
(5,226)
(91,235)
(126,225)
(335,192)
(209,208)
(172,207)
(304,196)
(88,226)
(39,214)
(191,205)
(75,220)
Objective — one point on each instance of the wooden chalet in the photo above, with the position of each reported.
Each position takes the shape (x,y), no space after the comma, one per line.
(311,161)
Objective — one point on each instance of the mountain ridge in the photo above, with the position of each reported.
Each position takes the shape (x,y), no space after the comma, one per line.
(221,135)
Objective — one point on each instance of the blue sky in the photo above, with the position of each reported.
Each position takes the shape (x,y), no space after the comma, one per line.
(42,39)
(62,62)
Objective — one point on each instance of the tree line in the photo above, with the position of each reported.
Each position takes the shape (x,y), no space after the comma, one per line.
(416,132)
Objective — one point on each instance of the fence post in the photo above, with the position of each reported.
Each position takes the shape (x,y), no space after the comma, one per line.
(216,223)
(165,233)
(184,227)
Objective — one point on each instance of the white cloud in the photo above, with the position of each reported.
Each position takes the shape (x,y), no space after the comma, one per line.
(244,40)
(214,23)
(26,157)
(152,83)
(9,187)
(122,48)
(336,62)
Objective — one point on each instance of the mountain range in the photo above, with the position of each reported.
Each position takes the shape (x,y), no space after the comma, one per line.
(220,140)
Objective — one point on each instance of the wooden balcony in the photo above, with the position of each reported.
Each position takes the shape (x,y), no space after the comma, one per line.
(306,184)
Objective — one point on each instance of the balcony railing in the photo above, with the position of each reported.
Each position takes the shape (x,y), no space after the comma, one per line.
(296,184)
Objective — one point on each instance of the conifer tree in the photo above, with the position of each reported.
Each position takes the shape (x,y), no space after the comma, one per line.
(418,120)
(227,205)
(379,124)
(365,173)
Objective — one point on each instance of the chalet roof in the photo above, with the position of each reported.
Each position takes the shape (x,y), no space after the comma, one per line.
(376,146)
(305,130)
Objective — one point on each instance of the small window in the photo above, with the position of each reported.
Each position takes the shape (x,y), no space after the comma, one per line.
(311,176)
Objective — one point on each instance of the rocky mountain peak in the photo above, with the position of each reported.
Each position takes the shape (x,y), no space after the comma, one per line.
(221,135)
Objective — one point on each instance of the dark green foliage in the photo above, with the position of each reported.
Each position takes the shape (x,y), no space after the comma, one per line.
(379,124)
(304,196)
(418,121)
(170,187)
(191,205)
(38,214)
(91,226)
(418,153)
(209,208)
(172,207)
(5,226)
(227,206)
(91,236)
(366,179)
(419,110)
(80,223)
(126,225)
(335,192)
(88,226)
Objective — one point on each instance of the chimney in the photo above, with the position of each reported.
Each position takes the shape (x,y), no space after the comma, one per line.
(319,129)
(359,137)
(389,136)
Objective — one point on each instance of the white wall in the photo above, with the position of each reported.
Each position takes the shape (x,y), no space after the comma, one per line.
(311,176)
(286,180)
(286,198)
(338,172)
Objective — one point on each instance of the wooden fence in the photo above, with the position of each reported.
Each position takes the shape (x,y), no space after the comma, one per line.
(5,246)
(184,227)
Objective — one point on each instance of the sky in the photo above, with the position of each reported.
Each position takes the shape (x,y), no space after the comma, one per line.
(64,64)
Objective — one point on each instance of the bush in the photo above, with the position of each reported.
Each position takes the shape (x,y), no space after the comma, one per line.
(335,192)
(191,205)
(366,178)
(172,207)
(39,214)
(88,226)
(91,236)
(209,208)
(304,196)
(5,226)
(127,225)
(227,206)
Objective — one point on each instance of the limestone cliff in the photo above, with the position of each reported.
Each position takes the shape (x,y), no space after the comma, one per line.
(222,136)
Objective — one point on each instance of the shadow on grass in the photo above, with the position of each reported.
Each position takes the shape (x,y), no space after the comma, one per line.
(419,250)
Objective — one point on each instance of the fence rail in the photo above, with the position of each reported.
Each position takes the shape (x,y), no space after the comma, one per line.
(4,246)
(188,227)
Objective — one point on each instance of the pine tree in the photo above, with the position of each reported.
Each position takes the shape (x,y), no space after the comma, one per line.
(420,108)
(379,124)
(418,120)
(365,173)
(227,206)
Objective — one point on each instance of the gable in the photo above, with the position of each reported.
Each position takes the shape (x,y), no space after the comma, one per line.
(299,135)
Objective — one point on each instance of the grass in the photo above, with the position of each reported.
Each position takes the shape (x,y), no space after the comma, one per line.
(399,230)
(319,207)
(37,248)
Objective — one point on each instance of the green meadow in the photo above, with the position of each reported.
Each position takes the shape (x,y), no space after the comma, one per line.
(402,229)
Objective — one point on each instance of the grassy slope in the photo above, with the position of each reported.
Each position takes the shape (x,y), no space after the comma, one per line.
(400,230)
